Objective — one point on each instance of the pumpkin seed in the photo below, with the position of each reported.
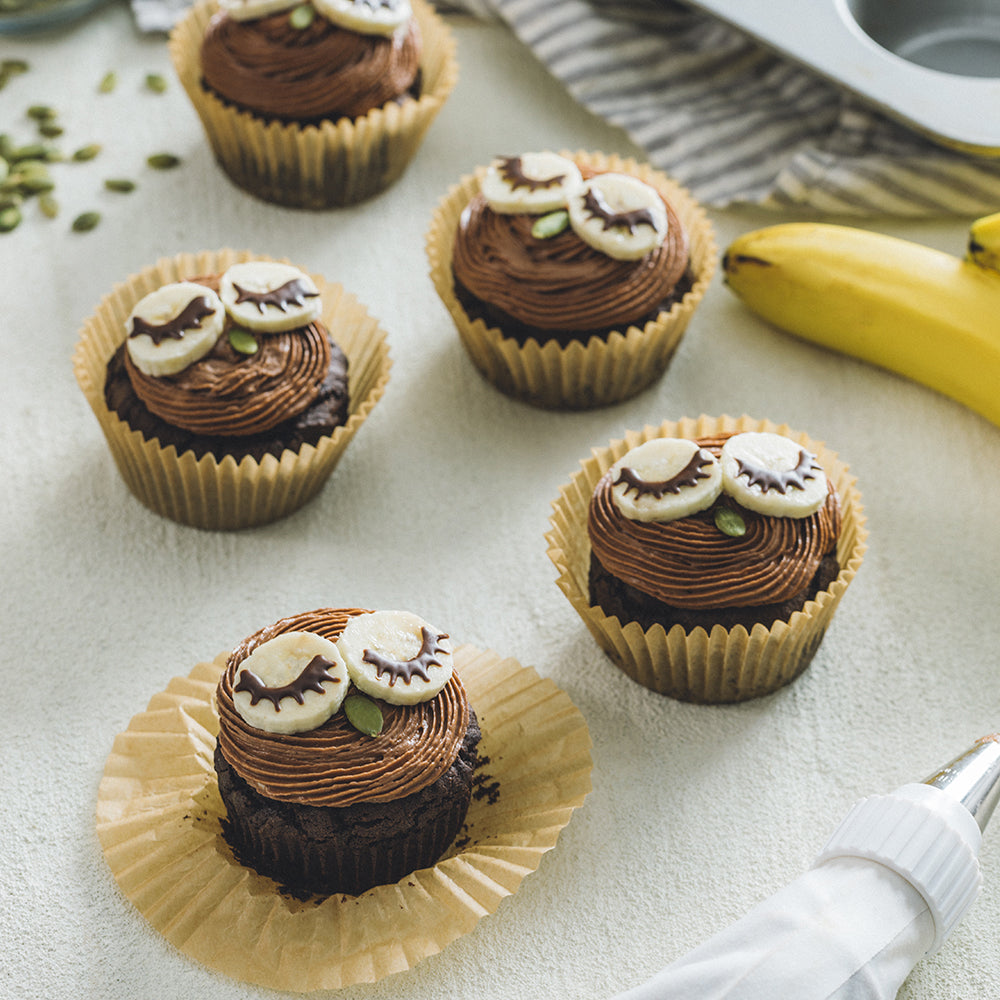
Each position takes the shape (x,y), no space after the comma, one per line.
(121,184)
(41,112)
(10,218)
(32,151)
(156,83)
(49,206)
(363,714)
(108,82)
(547,226)
(729,522)
(302,16)
(163,161)
(10,199)
(50,129)
(86,221)
(87,152)
(242,341)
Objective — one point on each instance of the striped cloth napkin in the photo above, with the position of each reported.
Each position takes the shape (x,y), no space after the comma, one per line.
(735,122)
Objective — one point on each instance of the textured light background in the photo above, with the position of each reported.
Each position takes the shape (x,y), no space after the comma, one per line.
(440,506)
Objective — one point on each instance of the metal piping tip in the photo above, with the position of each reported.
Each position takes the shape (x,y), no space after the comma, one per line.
(973,778)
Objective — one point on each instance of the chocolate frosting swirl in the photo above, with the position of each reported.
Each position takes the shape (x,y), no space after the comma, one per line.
(689,563)
(561,283)
(335,765)
(230,394)
(306,74)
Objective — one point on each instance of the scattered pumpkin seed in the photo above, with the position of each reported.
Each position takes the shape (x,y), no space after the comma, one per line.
(11,199)
(41,112)
(552,224)
(49,206)
(36,184)
(163,161)
(122,184)
(243,341)
(729,522)
(86,221)
(302,16)
(10,218)
(156,83)
(14,66)
(32,151)
(108,82)
(6,145)
(363,714)
(50,129)
(87,152)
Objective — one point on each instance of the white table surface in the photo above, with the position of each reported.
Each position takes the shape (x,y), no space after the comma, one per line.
(440,506)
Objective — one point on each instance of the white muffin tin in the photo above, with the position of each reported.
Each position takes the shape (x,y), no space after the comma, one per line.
(934,64)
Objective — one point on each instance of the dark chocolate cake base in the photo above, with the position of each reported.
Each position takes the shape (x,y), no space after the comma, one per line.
(521,332)
(328,411)
(626,603)
(316,850)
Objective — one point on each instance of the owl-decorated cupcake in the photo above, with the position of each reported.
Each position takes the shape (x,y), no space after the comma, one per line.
(314,104)
(570,277)
(346,749)
(707,557)
(228,385)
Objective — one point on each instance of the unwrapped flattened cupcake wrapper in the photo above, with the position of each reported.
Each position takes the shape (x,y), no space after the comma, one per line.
(576,376)
(724,665)
(317,166)
(159,812)
(207,492)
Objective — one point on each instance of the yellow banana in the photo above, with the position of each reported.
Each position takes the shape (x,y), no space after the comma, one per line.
(922,313)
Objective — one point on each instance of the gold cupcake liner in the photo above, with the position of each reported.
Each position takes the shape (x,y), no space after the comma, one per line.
(159,812)
(215,493)
(576,376)
(317,166)
(724,665)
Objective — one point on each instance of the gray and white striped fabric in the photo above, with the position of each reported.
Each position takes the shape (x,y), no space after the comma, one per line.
(735,122)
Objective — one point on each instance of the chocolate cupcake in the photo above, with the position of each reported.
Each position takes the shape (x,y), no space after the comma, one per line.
(225,398)
(570,277)
(314,105)
(346,749)
(708,557)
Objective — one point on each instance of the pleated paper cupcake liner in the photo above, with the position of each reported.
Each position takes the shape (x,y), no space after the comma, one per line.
(604,370)
(159,823)
(708,667)
(331,164)
(224,494)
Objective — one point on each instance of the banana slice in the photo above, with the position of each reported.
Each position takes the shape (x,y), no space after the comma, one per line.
(173,327)
(291,683)
(250,10)
(268,297)
(619,215)
(771,474)
(396,656)
(532,182)
(367,17)
(665,479)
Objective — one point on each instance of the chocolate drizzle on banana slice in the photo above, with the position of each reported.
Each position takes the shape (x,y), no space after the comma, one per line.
(533,183)
(665,479)
(173,327)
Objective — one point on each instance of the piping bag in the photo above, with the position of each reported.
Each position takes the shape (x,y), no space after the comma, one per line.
(892,882)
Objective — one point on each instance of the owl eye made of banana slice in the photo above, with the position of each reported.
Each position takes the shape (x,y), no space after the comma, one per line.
(534,183)
(396,656)
(291,683)
(618,215)
(268,297)
(367,17)
(173,327)
(665,479)
(250,10)
(771,474)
